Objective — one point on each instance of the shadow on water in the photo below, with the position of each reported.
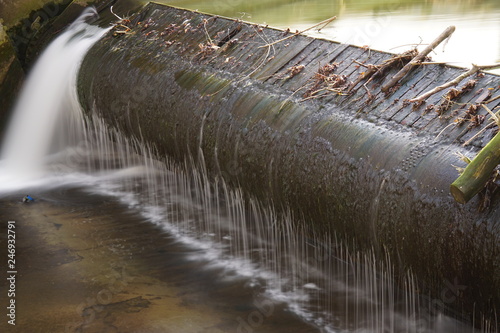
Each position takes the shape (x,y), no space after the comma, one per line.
(217,241)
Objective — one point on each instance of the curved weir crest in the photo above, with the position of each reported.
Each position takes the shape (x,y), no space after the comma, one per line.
(282,260)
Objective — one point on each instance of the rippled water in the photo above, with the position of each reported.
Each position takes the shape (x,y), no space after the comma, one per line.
(388,25)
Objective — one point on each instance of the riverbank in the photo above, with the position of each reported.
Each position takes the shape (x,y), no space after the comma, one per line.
(85,264)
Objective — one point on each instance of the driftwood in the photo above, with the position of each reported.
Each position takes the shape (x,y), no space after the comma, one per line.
(421,56)
(477,173)
(454,82)
(322,24)
(492,99)
(378,71)
(370,70)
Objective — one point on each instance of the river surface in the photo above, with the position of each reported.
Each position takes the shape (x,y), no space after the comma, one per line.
(394,25)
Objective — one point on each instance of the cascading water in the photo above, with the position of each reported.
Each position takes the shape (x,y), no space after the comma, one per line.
(46,108)
(280,257)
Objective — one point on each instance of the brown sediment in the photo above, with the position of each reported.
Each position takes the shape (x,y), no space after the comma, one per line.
(92,267)
(77,274)
(11,77)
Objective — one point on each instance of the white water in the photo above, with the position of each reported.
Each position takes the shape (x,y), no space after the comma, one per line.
(49,144)
(47,105)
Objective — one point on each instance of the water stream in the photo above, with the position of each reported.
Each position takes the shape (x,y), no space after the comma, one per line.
(45,112)
(51,144)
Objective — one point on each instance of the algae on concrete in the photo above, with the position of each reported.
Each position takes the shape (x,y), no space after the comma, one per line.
(3,34)
(13,11)
(11,76)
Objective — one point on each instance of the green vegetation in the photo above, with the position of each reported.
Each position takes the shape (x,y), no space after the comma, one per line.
(13,11)
(3,34)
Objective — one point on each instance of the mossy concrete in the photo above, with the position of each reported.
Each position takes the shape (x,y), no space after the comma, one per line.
(13,11)
(11,78)
(32,32)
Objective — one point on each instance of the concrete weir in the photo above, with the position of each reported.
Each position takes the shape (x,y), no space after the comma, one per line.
(286,123)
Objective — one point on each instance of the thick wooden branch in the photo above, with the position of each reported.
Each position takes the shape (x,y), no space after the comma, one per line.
(477,173)
(454,82)
(371,69)
(421,56)
(492,99)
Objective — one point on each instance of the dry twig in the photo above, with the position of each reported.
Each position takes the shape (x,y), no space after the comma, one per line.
(371,69)
(454,82)
(323,23)
(421,56)
(496,121)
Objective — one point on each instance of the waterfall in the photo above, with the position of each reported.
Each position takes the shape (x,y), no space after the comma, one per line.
(283,260)
(47,106)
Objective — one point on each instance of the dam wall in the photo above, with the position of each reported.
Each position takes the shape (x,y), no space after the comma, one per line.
(298,123)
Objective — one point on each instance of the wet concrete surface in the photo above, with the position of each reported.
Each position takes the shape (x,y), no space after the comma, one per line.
(369,171)
(87,264)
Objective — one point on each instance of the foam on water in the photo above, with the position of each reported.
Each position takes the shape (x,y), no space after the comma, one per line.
(244,240)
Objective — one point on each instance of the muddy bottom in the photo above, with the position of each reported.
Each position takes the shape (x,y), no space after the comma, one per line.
(86,263)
